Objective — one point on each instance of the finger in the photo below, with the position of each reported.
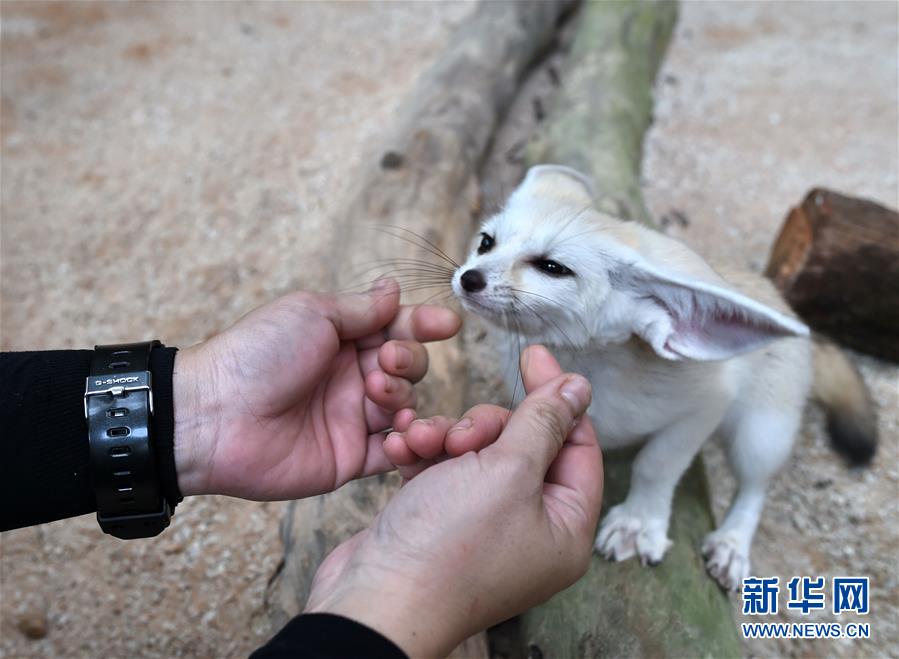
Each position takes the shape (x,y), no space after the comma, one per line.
(424,322)
(377,418)
(421,322)
(376,460)
(390,392)
(364,314)
(368,361)
(537,429)
(537,366)
(397,451)
(477,429)
(403,418)
(578,471)
(425,437)
(482,425)
(406,359)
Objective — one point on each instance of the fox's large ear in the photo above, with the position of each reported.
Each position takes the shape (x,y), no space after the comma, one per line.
(557,182)
(690,319)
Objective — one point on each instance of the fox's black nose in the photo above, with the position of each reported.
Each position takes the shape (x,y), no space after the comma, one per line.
(473,281)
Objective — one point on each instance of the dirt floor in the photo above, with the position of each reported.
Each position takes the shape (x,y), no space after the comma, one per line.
(210,144)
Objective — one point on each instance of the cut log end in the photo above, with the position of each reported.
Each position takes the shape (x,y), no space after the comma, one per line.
(790,251)
(836,262)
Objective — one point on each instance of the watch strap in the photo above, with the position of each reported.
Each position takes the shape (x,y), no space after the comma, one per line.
(118,403)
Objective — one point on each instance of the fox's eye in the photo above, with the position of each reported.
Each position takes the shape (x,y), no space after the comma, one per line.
(487,243)
(553,268)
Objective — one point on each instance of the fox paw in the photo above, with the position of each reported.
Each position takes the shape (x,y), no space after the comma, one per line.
(623,535)
(726,559)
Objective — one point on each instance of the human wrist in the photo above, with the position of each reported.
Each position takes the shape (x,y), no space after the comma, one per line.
(418,620)
(405,626)
(161,367)
(196,421)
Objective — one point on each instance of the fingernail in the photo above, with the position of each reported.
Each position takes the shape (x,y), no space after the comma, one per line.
(380,284)
(424,422)
(389,384)
(463,424)
(403,356)
(577,393)
(393,433)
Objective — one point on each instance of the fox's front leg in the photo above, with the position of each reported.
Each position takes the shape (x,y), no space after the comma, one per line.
(639,526)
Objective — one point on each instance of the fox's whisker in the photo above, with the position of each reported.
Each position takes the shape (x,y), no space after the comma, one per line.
(423,266)
(519,376)
(421,243)
(555,304)
(547,318)
(407,284)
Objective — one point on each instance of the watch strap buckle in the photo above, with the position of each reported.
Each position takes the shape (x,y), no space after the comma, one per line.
(118,385)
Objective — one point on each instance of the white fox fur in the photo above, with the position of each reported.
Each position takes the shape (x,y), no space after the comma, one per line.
(676,351)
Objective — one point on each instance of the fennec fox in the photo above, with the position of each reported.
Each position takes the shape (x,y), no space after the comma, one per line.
(676,351)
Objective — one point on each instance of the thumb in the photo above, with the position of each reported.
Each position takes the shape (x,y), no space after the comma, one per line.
(541,423)
(355,316)
(537,366)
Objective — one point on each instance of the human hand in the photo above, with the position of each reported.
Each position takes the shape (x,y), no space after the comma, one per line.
(478,538)
(293,400)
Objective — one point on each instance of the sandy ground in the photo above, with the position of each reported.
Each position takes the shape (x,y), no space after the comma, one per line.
(182,161)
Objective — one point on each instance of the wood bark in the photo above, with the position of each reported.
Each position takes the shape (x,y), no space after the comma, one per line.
(604,108)
(836,261)
(597,126)
(423,180)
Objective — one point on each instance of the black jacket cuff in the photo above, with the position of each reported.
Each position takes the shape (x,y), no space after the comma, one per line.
(326,636)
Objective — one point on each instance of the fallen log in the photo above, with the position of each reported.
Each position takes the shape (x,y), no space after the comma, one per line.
(423,180)
(598,120)
(597,126)
(836,261)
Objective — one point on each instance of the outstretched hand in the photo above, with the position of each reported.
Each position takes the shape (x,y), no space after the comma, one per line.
(293,400)
(503,522)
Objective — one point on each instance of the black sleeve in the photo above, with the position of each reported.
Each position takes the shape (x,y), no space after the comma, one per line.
(44,452)
(326,636)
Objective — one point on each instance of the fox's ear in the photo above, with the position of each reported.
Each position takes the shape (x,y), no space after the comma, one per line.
(557,182)
(690,319)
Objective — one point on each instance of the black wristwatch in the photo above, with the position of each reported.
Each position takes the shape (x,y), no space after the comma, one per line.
(118,406)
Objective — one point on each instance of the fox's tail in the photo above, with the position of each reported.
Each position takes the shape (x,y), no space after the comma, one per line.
(851,417)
